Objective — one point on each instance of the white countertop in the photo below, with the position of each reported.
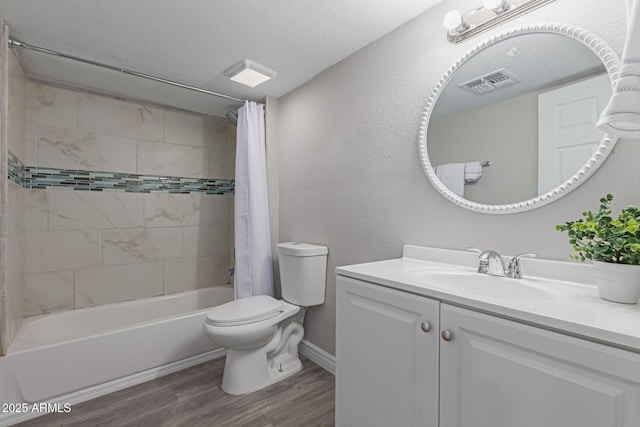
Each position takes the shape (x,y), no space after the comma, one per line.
(571,304)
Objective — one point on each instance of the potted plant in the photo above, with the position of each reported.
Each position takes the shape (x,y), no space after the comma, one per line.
(613,244)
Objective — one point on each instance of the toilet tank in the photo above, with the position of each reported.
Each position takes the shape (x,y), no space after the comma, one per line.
(303,272)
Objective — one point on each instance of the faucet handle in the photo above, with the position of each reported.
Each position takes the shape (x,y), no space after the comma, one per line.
(531,255)
(483,264)
(513,270)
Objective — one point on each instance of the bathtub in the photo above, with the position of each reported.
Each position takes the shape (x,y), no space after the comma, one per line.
(58,354)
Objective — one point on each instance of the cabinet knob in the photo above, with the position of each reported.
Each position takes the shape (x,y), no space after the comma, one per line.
(425,326)
(446,335)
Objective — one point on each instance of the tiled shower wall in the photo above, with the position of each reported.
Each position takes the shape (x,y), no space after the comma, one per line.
(96,230)
(13,293)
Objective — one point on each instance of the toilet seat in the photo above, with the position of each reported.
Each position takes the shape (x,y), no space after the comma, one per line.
(244,311)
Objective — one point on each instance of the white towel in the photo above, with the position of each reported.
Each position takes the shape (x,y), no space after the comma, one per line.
(472,171)
(621,117)
(452,176)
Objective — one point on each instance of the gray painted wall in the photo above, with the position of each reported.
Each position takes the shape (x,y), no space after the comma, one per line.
(350,177)
(505,133)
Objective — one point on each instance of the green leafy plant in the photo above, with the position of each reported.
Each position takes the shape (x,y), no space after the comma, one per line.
(600,237)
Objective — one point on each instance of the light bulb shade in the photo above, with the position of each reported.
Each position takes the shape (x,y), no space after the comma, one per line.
(453,21)
(498,6)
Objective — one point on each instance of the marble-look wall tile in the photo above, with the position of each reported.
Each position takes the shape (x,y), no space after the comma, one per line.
(221,162)
(232,241)
(115,117)
(106,285)
(17,107)
(219,131)
(63,250)
(31,145)
(14,208)
(171,210)
(78,149)
(84,248)
(222,205)
(195,273)
(48,292)
(15,277)
(137,245)
(79,210)
(158,158)
(12,154)
(184,129)
(220,137)
(15,252)
(206,240)
(51,106)
(37,210)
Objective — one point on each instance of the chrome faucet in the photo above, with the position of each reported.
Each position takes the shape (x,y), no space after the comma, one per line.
(490,262)
(513,269)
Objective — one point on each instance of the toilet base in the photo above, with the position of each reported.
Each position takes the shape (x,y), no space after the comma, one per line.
(247,371)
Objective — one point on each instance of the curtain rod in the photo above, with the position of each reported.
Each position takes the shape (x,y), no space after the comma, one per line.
(17,44)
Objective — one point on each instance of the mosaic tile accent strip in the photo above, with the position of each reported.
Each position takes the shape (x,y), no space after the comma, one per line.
(16,170)
(41,178)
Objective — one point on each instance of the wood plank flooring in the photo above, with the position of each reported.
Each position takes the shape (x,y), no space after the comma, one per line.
(193,397)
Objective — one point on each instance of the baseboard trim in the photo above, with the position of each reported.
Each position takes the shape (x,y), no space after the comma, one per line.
(318,356)
(117,384)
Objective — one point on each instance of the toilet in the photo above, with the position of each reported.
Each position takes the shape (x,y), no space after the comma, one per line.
(262,334)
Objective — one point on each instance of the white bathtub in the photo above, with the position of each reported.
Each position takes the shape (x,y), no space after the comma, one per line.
(56,354)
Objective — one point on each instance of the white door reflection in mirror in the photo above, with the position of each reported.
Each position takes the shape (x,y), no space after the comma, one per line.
(567,134)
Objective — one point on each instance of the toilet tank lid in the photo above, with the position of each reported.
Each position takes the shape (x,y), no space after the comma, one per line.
(301,249)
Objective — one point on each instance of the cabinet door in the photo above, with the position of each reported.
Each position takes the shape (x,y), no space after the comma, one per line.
(499,373)
(387,365)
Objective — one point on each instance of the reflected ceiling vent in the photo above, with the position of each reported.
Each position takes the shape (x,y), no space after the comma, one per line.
(490,82)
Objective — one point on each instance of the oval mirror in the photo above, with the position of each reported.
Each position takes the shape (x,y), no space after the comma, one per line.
(511,125)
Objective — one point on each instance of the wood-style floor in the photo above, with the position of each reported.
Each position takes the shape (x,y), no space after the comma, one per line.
(193,397)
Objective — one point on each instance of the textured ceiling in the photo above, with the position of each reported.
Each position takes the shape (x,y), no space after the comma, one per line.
(194,41)
(537,61)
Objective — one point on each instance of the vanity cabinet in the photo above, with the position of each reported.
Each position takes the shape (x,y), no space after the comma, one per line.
(470,369)
(387,357)
(501,373)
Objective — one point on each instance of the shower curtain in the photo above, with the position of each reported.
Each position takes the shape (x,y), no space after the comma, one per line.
(253,268)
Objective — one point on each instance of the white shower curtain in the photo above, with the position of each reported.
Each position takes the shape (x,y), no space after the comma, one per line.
(253,268)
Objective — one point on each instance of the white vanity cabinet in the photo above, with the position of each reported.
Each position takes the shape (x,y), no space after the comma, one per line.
(501,373)
(387,357)
(488,372)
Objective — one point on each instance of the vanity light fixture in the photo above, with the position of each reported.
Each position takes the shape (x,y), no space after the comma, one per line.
(454,23)
(249,73)
(461,26)
(498,6)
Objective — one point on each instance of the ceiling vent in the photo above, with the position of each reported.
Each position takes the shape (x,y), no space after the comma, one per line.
(489,82)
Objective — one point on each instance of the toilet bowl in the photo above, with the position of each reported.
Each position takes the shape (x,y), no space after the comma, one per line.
(262,345)
(262,334)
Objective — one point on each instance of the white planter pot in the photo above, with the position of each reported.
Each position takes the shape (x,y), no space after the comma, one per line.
(618,282)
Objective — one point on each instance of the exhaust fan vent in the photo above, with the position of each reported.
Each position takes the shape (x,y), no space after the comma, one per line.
(478,86)
(490,82)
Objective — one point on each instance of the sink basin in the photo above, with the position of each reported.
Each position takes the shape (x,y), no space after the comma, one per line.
(482,285)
